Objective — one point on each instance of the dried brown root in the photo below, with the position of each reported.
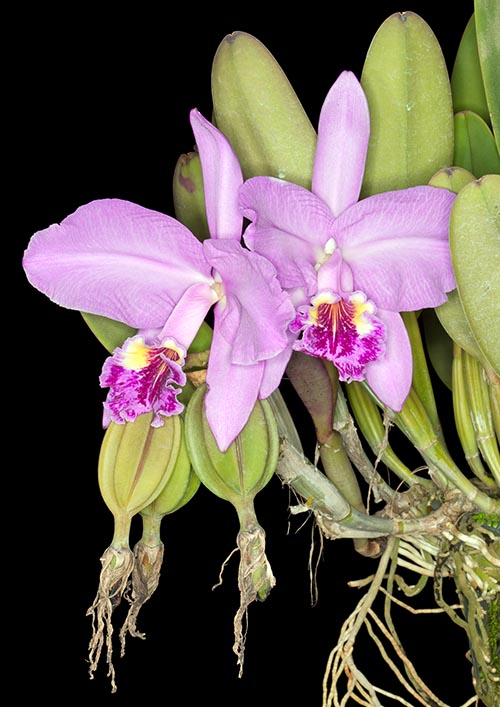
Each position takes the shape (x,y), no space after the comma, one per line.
(255,581)
(145,579)
(117,564)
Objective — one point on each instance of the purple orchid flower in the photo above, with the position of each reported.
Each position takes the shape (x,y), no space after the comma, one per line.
(352,266)
(147,270)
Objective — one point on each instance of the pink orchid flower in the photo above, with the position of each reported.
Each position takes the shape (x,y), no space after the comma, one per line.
(145,269)
(352,266)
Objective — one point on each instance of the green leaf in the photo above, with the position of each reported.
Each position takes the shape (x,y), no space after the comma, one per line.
(475,147)
(406,82)
(466,78)
(259,112)
(110,333)
(487,14)
(475,251)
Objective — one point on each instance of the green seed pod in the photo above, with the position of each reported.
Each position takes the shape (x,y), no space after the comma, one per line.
(135,462)
(248,464)
(180,486)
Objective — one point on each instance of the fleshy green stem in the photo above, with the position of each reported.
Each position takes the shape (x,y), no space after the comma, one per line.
(421,378)
(463,421)
(480,410)
(413,421)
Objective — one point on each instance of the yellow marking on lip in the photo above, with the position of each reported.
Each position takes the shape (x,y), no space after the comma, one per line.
(136,356)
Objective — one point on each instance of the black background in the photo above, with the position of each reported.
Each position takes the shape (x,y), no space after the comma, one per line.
(99,108)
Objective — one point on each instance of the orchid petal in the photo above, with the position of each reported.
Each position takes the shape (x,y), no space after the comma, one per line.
(274,369)
(141,379)
(116,259)
(188,314)
(290,227)
(390,377)
(232,391)
(256,312)
(221,178)
(396,244)
(343,134)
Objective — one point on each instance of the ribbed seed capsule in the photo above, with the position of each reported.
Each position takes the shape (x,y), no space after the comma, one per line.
(135,463)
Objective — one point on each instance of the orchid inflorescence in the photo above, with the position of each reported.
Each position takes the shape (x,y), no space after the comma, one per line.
(348,261)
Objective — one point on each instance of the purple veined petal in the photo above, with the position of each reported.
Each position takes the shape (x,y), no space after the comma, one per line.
(188,314)
(343,134)
(345,331)
(222,177)
(390,377)
(254,315)
(116,259)
(396,244)
(142,378)
(232,391)
(289,224)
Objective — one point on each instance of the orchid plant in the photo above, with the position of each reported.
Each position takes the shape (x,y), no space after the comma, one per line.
(354,262)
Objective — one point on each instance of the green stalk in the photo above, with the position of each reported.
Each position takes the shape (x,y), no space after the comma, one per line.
(480,410)
(494,391)
(415,424)
(421,378)
(463,421)
(332,509)
(367,416)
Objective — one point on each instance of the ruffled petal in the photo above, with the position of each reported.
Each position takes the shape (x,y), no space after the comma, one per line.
(343,134)
(142,379)
(232,391)
(345,331)
(222,177)
(253,316)
(116,259)
(289,226)
(390,377)
(397,246)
